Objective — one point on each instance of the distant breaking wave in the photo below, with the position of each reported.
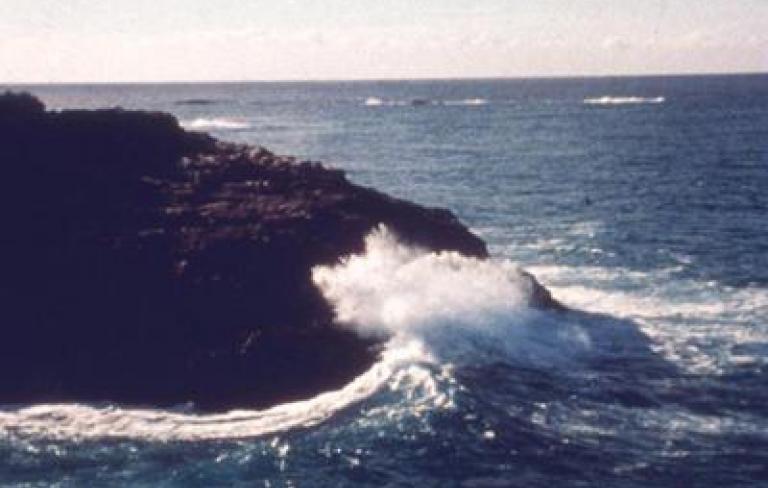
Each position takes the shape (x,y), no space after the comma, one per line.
(417,102)
(467,101)
(215,123)
(607,100)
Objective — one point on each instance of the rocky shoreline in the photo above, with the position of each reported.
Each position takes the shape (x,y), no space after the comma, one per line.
(147,265)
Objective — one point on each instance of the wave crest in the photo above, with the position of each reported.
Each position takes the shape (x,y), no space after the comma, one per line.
(609,100)
(395,288)
(215,123)
(462,309)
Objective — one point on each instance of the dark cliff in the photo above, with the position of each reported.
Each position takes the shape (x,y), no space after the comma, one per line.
(144,264)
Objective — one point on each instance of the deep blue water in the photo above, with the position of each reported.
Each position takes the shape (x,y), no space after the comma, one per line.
(640,202)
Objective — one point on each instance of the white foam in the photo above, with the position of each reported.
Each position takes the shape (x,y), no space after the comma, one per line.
(393,287)
(612,100)
(460,308)
(373,102)
(379,102)
(78,422)
(700,326)
(215,123)
(467,102)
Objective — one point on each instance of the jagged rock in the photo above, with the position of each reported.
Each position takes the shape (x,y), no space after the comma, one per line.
(144,264)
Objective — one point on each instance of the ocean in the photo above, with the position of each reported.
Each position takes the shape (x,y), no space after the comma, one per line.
(640,202)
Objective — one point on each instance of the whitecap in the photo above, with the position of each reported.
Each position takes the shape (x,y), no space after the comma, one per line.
(467,102)
(380,102)
(460,308)
(623,100)
(215,123)
(373,102)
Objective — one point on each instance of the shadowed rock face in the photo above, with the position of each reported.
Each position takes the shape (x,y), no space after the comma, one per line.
(144,264)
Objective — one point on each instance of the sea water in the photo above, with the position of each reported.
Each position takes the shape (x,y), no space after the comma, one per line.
(641,203)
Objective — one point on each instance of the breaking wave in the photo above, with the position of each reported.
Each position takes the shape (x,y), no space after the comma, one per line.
(460,308)
(448,322)
(216,123)
(443,314)
(467,101)
(608,100)
(374,102)
(436,311)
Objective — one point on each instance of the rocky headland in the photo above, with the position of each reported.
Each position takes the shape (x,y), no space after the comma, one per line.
(146,265)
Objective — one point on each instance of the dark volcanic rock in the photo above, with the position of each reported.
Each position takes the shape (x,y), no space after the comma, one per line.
(144,264)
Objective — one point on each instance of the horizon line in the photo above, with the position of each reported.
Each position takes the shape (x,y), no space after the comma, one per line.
(391,79)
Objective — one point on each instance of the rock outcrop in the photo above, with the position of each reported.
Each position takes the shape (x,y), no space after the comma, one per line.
(147,265)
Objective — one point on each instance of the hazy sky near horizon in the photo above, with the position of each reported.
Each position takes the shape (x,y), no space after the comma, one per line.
(164,40)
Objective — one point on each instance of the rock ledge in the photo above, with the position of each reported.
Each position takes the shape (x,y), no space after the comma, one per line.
(146,265)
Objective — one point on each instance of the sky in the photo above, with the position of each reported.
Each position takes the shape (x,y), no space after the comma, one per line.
(217,40)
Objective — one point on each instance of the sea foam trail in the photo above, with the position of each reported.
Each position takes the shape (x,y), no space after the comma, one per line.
(80,422)
(702,327)
(437,311)
(608,100)
(467,102)
(216,123)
